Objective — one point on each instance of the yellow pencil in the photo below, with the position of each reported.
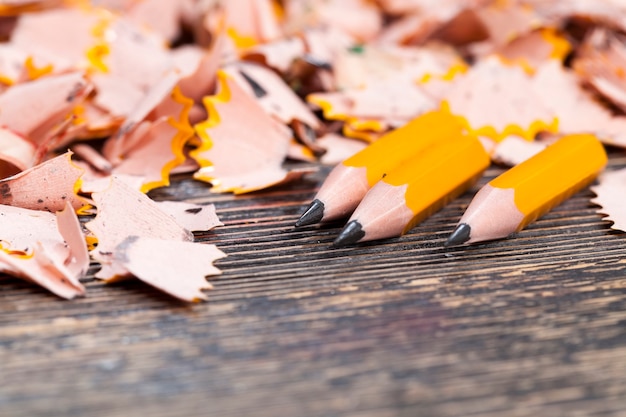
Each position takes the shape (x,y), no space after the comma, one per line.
(350,180)
(413,191)
(527,191)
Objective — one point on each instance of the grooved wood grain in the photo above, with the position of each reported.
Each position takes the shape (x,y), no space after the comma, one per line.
(534,325)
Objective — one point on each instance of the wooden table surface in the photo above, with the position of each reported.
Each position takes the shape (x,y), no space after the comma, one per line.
(534,325)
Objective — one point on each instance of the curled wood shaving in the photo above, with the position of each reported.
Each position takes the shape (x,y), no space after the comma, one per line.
(610,192)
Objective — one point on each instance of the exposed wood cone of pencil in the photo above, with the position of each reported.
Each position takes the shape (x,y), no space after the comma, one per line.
(416,189)
(530,189)
(349,181)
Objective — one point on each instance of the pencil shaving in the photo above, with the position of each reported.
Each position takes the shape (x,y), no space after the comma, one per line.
(193,217)
(43,248)
(610,197)
(240,157)
(177,268)
(47,186)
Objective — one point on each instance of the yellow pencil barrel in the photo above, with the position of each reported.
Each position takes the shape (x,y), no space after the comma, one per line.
(441,175)
(553,175)
(527,191)
(398,145)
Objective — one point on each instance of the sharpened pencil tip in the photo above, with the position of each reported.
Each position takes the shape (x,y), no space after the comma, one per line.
(460,235)
(313,214)
(351,233)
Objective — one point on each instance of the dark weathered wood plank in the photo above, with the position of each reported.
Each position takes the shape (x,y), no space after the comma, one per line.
(532,325)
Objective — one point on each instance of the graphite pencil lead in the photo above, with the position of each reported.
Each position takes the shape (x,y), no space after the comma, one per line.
(259,92)
(351,233)
(313,214)
(460,235)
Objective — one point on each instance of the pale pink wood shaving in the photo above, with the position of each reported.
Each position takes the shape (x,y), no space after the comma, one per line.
(324,43)
(612,89)
(94,122)
(492,95)
(358,18)
(90,155)
(16,153)
(392,83)
(35,249)
(119,6)
(140,76)
(387,83)
(12,59)
(47,186)
(338,148)
(390,101)
(152,148)
(609,12)
(160,16)
(411,29)
(445,8)
(39,105)
(398,7)
(279,99)
(422,20)
(505,22)
(610,192)
(122,212)
(135,236)
(300,152)
(20,227)
(94,181)
(198,68)
(614,133)
(59,37)
(513,150)
(211,27)
(54,137)
(40,268)
(118,145)
(139,56)
(577,110)
(244,156)
(116,95)
(254,19)
(193,217)
(151,153)
(278,54)
(371,64)
(437,88)
(69,227)
(601,62)
(531,49)
(126,138)
(177,268)
(560,91)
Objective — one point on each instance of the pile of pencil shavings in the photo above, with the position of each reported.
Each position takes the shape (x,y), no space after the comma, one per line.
(226,91)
